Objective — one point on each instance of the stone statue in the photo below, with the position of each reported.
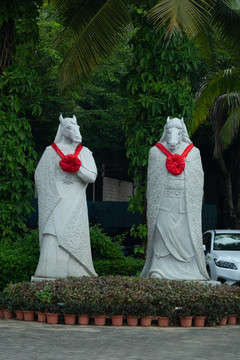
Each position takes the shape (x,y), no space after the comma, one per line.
(62,175)
(174,196)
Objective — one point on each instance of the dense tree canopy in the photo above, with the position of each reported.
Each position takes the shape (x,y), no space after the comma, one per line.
(143,81)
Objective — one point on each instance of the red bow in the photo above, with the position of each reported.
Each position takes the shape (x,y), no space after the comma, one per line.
(69,163)
(175,163)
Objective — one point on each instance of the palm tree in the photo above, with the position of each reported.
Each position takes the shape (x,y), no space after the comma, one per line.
(219,100)
(93,28)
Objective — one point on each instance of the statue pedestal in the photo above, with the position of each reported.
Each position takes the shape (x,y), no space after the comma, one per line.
(35,278)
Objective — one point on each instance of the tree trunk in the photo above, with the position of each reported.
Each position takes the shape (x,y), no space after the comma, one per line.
(7,33)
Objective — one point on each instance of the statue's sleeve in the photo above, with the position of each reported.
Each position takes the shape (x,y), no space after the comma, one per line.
(88,170)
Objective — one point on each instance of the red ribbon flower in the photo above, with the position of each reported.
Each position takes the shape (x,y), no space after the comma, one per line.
(69,163)
(175,163)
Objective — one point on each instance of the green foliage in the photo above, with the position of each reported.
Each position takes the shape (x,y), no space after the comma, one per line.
(108,258)
(127,266)
(19,88)
(93,31)
(139,232)
(18,260)
(99,107)
(102,245)
(129,296)
(15,14)
(46,64)
(158,85)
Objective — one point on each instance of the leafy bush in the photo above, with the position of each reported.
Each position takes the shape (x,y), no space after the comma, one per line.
(108,258)
(18,260)
(18,86)
(128,266)
(103,247)
(131,296)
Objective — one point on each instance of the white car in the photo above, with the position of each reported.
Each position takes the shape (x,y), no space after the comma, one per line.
(222,251)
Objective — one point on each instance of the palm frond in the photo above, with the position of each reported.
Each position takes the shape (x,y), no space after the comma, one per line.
(224,82)
(76,14)
(226,21)
(95,37)
(181,15)
(231,127)
(205,43)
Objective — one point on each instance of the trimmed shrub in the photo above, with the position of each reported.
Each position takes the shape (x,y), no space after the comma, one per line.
(18,260)
(103,247)
(128,266)
(128,296)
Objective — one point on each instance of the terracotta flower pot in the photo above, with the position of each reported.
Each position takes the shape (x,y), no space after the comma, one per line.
(232,320)
(41,317)
(70,319)
(1,313)
(146,320)
(132,320)
(163,321)
(83,319)
(19,314)
(186,321)
(52,318)
(199,321)
(117,320)
(223,321)
(100,320)
(28,315)
(7,314)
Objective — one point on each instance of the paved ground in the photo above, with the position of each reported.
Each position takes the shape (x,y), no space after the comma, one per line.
(20,340)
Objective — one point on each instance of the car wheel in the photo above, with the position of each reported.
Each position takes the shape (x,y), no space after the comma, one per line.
(209,271)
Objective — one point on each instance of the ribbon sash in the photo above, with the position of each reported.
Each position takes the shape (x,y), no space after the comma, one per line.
(175,163)
(69,163)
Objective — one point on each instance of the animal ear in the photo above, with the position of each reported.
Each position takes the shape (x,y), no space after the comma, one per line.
(74,118)
(168,119)
(182,120)
(61,119)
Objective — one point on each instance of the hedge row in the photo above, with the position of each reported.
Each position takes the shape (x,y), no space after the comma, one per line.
(18,260)
(125,295)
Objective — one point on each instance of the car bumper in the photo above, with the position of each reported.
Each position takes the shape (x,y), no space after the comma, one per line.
(228,276)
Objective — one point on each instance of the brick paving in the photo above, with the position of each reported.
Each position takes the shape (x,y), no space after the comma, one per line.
(21,340)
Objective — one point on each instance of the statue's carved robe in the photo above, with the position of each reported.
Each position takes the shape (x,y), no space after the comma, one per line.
(174,218)
(63,216)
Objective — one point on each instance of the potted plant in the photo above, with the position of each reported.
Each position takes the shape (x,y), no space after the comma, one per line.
(184,312)
(164,311)
(40,311)
(28,308)
(132,310)
(83,312)
(6,304)
(52,313)
(199,311)
(146,313)
(69,310)
(1,305)
(17,306)
(99,311)
(232,310)
(116,311)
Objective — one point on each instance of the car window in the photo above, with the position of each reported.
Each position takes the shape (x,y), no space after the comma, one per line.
(207,241)
(227,242)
